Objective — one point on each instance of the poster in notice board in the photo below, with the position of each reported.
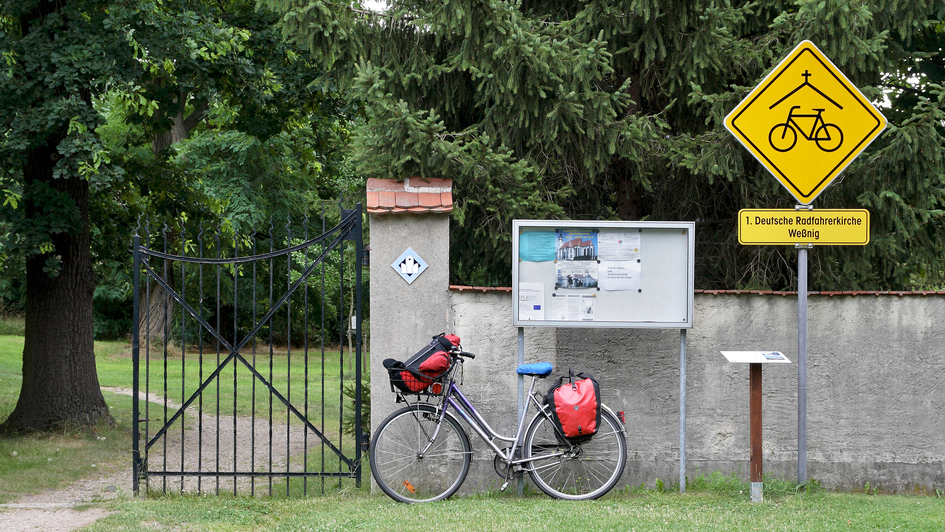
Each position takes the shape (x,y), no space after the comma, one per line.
(569,273)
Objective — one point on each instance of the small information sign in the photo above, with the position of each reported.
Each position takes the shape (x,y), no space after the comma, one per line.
(409,265)
(755,357)
(836,227)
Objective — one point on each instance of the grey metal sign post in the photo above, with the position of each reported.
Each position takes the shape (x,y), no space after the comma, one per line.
(846,122)
(802,250)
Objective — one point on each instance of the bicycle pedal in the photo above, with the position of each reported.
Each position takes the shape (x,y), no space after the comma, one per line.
(504,485)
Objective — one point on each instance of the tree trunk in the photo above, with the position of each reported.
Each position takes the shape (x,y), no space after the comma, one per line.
(180,128)
(60,385)
(153,315)
(630,193)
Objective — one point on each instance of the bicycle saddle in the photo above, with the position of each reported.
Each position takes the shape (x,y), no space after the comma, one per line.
(538,369)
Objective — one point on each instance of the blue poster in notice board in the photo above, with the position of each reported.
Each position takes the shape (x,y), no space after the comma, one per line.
(537,246)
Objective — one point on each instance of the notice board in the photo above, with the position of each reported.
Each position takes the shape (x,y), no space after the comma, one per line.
(569,273)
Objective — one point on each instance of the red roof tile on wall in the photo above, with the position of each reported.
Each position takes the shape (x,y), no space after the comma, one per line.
(414,195)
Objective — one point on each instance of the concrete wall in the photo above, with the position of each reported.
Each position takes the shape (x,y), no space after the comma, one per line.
(408,314)
(876,390)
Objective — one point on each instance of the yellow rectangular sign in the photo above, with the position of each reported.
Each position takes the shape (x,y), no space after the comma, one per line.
(820,227)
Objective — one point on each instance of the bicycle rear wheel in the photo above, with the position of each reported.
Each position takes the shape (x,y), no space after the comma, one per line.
(398,466)
(575,472)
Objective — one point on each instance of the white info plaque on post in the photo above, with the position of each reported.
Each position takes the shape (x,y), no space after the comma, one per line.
(755,357)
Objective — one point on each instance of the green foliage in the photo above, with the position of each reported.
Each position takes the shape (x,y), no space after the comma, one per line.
(187,110)
(660,486)
(11,325)
(95,96)
(347,421)
(614,110)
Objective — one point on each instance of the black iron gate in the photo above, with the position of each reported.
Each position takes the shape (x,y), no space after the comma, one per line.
(247,357)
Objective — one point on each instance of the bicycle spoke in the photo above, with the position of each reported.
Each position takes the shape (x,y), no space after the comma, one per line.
(398,466)
(584,471)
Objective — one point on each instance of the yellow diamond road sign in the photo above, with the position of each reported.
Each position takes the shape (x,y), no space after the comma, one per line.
(805,122)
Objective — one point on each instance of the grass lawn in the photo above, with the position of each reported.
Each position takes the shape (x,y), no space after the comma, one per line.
(30,464)
(707,509)
(34,463)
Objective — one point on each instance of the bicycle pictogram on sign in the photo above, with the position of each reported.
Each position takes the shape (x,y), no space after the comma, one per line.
(805,133)
(827,136)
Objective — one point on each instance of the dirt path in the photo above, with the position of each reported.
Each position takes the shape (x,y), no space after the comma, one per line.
(55,510)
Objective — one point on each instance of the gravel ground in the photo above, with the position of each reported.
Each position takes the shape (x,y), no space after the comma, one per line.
(73,507)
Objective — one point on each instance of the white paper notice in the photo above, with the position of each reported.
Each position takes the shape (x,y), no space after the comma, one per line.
(620,275)
(619,245)
(531,301)
(574,307)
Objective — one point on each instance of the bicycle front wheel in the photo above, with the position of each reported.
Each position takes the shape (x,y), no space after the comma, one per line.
(575,472)
(407,473)
(782,137)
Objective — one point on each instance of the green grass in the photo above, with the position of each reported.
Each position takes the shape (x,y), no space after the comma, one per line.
(33,463)
(185,372)
(623,511)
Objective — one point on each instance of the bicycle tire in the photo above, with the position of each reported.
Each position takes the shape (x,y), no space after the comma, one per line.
(826,141)
(777,138)
(397,466)
(585,471)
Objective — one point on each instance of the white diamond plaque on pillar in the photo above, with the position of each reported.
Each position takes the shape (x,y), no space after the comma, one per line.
(409,265)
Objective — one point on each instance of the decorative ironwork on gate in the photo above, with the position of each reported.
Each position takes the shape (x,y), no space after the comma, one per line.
(247,357)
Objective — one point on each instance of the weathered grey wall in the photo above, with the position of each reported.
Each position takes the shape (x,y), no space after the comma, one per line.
(876,390)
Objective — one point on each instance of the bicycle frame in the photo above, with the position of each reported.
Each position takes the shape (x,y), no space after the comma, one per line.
(818,122)
(453,397)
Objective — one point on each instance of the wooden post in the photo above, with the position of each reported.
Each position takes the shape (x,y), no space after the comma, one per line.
(754,414)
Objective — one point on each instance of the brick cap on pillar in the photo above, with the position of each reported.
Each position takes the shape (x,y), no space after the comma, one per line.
(414,195)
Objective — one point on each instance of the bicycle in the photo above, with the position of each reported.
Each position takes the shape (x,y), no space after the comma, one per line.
(422,453)
(783,136)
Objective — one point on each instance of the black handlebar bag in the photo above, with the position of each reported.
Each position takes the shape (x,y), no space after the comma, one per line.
(418,372)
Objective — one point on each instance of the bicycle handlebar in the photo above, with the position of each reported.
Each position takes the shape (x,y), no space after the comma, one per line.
(464,354)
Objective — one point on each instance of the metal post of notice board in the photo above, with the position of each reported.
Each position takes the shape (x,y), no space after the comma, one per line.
(521,395)
(682,410)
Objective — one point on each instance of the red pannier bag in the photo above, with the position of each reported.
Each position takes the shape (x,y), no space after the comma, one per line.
(575,406)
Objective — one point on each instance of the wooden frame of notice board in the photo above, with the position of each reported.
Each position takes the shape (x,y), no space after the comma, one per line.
(569,273)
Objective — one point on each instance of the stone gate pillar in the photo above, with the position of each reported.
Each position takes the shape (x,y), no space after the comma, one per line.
(409,239)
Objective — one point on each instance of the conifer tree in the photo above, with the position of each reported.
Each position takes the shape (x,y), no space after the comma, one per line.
(598,109)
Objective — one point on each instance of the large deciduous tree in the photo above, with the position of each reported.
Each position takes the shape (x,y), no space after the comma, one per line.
(57,57)
(163,67)
(614,110)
